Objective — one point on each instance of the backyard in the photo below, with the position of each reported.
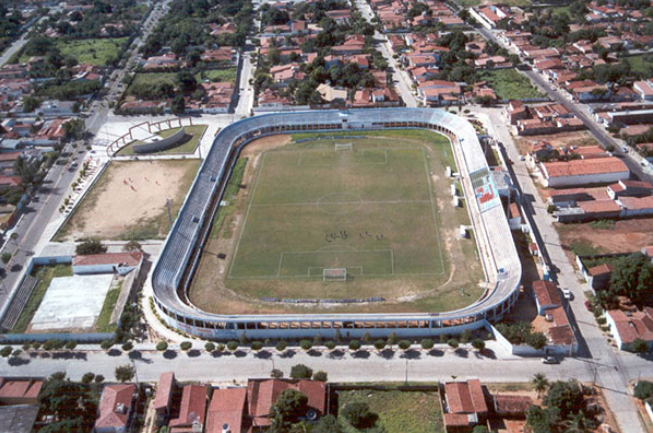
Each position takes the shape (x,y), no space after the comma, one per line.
(510,84)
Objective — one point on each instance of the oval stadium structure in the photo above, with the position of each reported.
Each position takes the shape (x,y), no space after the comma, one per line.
(180,255)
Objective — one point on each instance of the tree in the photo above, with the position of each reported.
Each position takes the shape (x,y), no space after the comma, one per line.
(427,344)
(90,246)
(317,340)
(74,129)
(5,352)
(209,347)
(540,383)
(564,397)
(232,346)
(404,345)
(71,405)
(536,340)
(330,345)
(128,346)
(132,246)
(71,345)
(6,256)
(281,346)
(243,339)
(276,374)
(290,405)
(366,338)
(643,390)
(354,345)
(256,346)
(300,371)
(178,105)
(107,344)
(306,345)
(576,424)
(88,377)
(478,344)
(465,336)
(162,346)
(124,373)
(453,343)
(185,345)
(480,429)
(328,424)
(639,346)
(99,378)
(320,376)
(30,103)
(392,339)
(379,344)
(358,414)
(186,81)
(538,420)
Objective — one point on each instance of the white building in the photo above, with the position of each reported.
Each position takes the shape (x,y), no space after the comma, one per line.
(583,172)
(120,263)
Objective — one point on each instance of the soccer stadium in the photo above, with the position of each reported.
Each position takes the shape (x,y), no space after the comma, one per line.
(366,221)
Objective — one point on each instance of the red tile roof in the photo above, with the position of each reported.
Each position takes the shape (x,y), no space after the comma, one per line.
(164,390)
(126,259)
(638,325)
(193,406)
(546,293)
(465,397)
(599,206)
(227,407)
(585,167)
(635,203)
(512,404)
(263,393)
(16,389)
(115,406)
(600,270)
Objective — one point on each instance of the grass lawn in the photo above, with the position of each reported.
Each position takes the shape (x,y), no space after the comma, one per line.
(102,323)
(230,193)
(510,84)
(194,134)
(642,64)
(399,412)
(45,274)
(151,79)
(217,75)
(98,52)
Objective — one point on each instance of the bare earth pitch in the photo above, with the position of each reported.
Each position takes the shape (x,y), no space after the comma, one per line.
(379,207)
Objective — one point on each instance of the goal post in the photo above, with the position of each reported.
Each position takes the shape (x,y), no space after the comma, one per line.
(334,274)
(344,146)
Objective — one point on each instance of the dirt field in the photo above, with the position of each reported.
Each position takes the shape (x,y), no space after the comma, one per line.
(623,237)
(129,200)
(575,138)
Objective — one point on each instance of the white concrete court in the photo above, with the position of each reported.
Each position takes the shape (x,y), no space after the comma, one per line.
(72,302)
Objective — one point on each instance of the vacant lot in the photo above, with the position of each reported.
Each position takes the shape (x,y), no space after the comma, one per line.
(510,84)
(642,65)
(129,200)
(564,139)
(217,75)
(399,411)
(378,207)
(605,237)
(193,135)
(98,52)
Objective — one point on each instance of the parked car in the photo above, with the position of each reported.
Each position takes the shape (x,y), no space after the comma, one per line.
(567,294)
(588,305)
(550,360)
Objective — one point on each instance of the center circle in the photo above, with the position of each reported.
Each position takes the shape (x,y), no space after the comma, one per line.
(339,203)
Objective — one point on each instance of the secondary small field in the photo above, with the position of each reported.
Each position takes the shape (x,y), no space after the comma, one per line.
(188,145)
(510,84)
(377,206)
(399,411)
(557,141)
(606,237)
(98,52)
(129,200)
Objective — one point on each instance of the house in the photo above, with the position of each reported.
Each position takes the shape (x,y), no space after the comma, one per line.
(19,391)
(583,172)
(599,209)
(18,418)
(515,110)
(514,219)
(599,276)
(340,16)
(332,95)
(511,406)
(626,327)
(263,393)
(166,61)
(644,89)
(121,263)
(546,296)
(636,206)
(465,405)
(115,409)
(163,397)
(569,197)
(226,411)
(192,411)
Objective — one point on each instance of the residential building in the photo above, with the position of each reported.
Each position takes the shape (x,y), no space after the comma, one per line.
(115,409)
(226,411)
(583,172)
(120,263)
(546,296)
(626,327)
(19,391)
(192,412)
(465,405)
(163,397)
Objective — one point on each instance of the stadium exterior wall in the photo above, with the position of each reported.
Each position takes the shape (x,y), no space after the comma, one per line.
(180,255)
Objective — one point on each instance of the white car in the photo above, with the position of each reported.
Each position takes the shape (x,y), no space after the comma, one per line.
(567,294)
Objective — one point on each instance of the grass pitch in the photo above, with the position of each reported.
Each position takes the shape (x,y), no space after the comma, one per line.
(367,208)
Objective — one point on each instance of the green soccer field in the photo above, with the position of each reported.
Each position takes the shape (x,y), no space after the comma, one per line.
(364,205)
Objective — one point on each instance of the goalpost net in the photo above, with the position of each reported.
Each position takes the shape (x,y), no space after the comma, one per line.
(334,274)
(344,146)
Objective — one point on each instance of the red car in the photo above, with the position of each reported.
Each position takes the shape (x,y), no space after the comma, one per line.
(588,305)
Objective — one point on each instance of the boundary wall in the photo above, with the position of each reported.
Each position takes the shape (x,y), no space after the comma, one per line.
(180,255)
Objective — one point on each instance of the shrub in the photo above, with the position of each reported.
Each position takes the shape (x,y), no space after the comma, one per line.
(27,346)
(256,345)
(601,320)
(219,348)
(36,345)
(276,374)
(99,378)
(185,346)
(71,345)
(466,336)
(453,343)
(427,344)
(6,351)
(300,371)
(105,345)
(643,390)
(16,352)
(162,346)
(354,345)
(127,346)
(306,344)
(209,347)
(379,344)
(232,346)
(404,344)
(281,346)
(536,340)
(320,376)
(6,256)
(330,345)
(88,377)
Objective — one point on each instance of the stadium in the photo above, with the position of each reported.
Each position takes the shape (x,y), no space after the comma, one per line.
(179,259)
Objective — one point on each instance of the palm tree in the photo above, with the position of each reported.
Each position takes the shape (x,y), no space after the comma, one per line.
(575,424)
(540,383)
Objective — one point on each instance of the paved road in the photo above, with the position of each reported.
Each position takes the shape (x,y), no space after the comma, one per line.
(400,78)
(246,95)
(614,369)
